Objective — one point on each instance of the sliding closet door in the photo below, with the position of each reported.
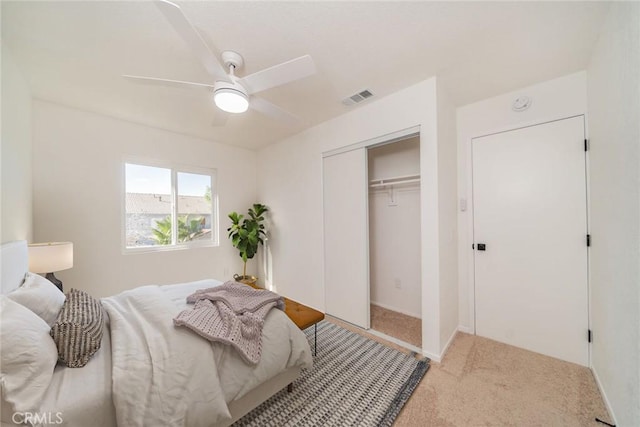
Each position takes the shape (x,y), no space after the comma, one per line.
(346,235)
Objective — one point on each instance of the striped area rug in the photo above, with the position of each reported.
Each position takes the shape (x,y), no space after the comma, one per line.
(355,381)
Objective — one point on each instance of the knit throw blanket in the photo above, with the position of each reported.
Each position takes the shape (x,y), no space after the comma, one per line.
(232,313)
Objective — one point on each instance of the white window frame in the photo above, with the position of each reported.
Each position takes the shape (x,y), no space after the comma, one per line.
(175,169)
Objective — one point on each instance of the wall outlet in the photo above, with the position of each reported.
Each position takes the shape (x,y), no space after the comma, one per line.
(397,284)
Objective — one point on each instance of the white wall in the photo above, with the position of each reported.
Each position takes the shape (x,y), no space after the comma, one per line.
(614,129)
(77,176)
(291,183)
(448,226)
(551,100)
(394,230)
(397,159)
(17,218)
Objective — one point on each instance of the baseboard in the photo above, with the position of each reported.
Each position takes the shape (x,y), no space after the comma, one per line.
(607,404)
(466,330)
(397,310)
(431,356)
(395,340)
(446,346)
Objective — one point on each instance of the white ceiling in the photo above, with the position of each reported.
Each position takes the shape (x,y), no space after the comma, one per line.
(74,53)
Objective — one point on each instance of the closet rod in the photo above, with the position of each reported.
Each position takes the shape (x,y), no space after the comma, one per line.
(394,180)
(384,184)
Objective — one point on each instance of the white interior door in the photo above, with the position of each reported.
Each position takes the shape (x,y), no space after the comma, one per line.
(529,207)
(346,245)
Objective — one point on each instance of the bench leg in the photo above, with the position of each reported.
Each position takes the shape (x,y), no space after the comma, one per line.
(290,388)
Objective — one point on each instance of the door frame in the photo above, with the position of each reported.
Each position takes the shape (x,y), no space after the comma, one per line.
(366,145)
(470,218)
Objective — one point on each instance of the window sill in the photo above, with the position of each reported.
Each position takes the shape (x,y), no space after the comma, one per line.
(168,248)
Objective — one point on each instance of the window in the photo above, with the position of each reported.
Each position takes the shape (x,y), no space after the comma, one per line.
(169,207)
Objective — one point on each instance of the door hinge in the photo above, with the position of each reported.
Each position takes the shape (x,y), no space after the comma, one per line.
(589,335)
(588,240)
(586,145)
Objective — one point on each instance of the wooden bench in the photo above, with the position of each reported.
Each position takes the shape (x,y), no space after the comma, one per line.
(304,317)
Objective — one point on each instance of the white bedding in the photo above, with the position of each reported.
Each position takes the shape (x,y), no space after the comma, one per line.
(149,372)
(82,396)
(167,375)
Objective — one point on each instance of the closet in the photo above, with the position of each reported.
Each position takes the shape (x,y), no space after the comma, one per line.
(394,240)
(372,236)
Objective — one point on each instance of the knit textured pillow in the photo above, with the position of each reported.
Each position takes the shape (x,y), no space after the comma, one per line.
(77,331)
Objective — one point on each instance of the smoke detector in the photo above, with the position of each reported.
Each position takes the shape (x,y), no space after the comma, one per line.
(521,103)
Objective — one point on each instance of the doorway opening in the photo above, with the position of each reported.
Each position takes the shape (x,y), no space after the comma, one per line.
(395,240)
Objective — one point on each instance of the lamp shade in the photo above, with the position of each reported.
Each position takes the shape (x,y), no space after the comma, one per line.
(50,257)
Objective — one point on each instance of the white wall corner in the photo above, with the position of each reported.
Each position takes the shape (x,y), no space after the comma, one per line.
(465,329)
(604,396)
(17,152)
(447,219)
(444,350)
(613,86)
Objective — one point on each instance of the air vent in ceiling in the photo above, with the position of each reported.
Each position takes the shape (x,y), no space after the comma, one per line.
(358,97)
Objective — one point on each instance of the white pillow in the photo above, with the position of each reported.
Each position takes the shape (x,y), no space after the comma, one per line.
(40,296)
(29,356)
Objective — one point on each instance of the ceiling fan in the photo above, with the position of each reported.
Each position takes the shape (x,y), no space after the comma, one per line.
(231,93)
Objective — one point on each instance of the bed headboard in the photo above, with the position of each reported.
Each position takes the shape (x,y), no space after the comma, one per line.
(15,264)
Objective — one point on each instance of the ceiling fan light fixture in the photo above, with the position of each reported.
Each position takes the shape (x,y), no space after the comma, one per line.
(230,97)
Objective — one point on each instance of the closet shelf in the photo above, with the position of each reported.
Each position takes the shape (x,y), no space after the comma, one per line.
(383,182)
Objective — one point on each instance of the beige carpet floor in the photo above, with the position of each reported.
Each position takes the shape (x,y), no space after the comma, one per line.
(397,325)
(481,382)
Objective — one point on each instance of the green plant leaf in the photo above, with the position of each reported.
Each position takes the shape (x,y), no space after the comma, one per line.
(246,232)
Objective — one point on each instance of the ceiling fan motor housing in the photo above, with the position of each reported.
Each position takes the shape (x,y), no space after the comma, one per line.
(230,58)
(231,97)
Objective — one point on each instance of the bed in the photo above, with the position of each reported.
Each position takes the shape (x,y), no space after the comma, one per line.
(149,372)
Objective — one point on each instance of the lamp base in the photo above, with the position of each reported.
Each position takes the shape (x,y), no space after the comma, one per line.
(53,279)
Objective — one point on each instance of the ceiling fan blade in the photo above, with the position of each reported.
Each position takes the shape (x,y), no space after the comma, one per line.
(271,110)
(279,74)
(192,37)
(167,82)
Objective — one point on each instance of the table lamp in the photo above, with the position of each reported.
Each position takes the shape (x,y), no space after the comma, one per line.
(49,258)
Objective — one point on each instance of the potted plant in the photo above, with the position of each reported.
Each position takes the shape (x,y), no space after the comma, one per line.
(246,234)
